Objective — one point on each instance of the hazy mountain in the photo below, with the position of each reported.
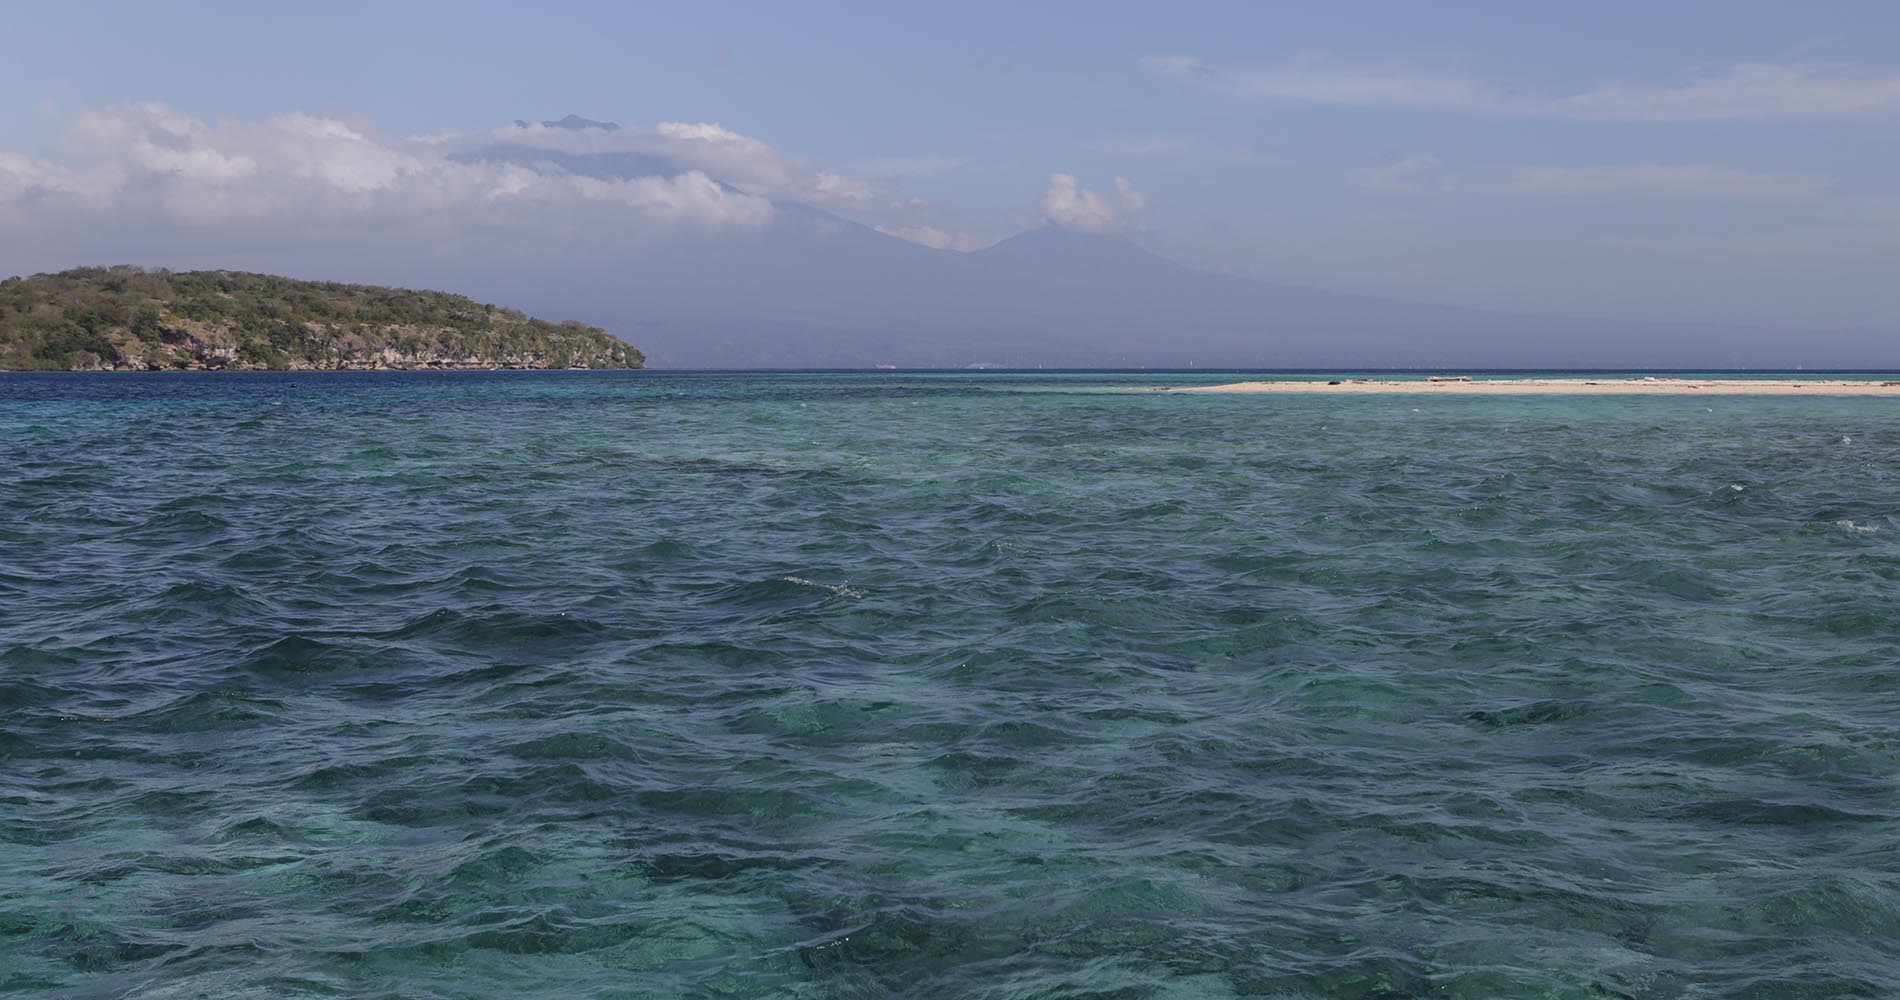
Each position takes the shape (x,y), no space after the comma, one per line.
(813,289)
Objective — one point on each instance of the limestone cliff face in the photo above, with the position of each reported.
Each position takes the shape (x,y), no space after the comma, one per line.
(127,319)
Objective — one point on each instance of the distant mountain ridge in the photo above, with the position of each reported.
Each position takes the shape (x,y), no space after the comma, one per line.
(128,319)
(812,289)
(816,291)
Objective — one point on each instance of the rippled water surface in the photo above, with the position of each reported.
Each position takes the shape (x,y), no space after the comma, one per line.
(678,685)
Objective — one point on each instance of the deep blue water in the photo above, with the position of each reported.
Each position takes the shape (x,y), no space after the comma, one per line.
(942,686)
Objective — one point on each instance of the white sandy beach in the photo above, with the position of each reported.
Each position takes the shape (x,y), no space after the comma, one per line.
(1646,386)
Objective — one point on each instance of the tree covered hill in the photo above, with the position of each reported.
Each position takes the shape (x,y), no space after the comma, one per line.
(130,319)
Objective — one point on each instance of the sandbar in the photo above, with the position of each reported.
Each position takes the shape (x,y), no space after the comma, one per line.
(1577,386)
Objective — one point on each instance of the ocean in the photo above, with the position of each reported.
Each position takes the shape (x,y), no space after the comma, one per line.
(941,685)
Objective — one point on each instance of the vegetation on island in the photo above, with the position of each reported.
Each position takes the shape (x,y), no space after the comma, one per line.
(131,319)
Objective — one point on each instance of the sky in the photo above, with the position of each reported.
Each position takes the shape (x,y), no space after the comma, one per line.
(1722,162)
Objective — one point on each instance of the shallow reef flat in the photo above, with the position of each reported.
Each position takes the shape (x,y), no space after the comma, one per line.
(920,686)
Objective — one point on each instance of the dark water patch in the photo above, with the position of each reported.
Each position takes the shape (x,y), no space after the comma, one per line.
(205,711)
(759,803)
(1752,812)
(716,867)
(783,593)
(205,598)
(574,746)
(180,526)
(256,828)
(295,655)
(1529,715)
(24,694)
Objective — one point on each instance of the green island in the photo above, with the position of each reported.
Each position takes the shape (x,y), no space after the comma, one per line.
(133,319)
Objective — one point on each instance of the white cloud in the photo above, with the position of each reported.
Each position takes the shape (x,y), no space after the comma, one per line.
(1133,201)
(150,164)
(1249,158)
(1310,79)
(1069,205)
(1180,145)
(1655,180)
(938,239)
(1743,91)
(750,166)
(1748,90)
(1403,176)
(24,179)
(753,166)
(1421,174)
(898,167)
(1146,145)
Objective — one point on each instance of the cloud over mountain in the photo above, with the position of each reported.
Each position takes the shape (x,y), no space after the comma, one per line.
(145,165)
(144,181)
(748,165)
(1069,205)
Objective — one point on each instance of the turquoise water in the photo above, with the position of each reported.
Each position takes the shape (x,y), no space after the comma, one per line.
(896,685)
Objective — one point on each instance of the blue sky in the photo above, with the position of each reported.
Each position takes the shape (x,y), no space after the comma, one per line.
(1721,161)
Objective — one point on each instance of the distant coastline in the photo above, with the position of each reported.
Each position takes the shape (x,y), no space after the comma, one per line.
(1580,385)
(127,319)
